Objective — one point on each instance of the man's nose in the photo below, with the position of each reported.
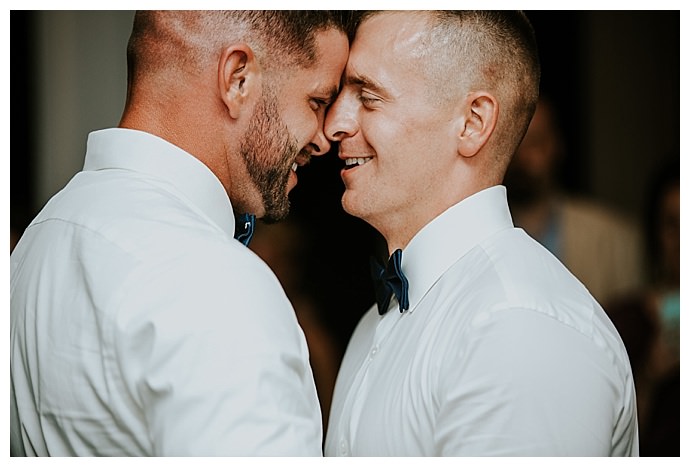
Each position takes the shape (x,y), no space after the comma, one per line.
(320,144)
(341,119)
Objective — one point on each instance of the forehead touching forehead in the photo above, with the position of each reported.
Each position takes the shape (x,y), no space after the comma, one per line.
(322,79)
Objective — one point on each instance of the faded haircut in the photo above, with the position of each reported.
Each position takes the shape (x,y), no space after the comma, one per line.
(188,40)
(495,51)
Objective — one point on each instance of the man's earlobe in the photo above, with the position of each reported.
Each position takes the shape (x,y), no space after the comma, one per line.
(479,123)
(238,76)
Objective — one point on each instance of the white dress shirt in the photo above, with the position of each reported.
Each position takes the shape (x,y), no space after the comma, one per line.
(140,327)
(502,353)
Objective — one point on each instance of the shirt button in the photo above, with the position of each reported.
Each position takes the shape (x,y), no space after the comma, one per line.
(343,447)
(374,351)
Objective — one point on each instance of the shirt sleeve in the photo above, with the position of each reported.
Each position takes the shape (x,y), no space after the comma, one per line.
(210,349)
(525,384)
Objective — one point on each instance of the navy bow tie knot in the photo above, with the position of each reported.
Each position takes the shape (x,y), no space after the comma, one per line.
(244,228)
(390,280)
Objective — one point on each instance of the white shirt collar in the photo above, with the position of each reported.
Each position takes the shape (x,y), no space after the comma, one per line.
(448,237)
(148,154)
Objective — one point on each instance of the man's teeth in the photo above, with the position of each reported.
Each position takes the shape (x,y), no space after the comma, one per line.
(350,161)
(294,166)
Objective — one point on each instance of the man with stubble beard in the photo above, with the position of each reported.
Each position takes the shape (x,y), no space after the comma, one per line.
(139,325)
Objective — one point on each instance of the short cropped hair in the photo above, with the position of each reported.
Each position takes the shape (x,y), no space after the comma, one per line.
(188,40)
(498,50)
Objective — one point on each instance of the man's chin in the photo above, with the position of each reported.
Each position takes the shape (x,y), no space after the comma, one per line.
(350,206)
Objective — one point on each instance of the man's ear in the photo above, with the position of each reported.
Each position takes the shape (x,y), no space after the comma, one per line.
(478,122)
(239,78)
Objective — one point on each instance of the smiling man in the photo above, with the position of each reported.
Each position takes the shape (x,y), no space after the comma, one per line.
(481,343)
(139,325)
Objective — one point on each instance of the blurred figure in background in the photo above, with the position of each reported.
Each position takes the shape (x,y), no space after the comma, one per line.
(663,234)
(648,319)
(638,286)
(599,246)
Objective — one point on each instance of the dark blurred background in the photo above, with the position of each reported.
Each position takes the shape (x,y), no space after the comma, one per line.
(614,77)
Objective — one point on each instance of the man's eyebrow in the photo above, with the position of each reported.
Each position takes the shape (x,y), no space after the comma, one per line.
(364,82)
(328,94)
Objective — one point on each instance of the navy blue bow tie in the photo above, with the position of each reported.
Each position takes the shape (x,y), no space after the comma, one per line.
(244,228)
(390,280)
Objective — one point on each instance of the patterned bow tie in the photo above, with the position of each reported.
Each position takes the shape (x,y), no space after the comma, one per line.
(244,228)
(390,280)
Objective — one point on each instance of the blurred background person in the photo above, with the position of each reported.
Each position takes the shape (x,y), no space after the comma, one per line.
(633,268)
(648,318)
(600,246)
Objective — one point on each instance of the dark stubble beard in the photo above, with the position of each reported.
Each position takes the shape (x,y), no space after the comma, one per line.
(269,153)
